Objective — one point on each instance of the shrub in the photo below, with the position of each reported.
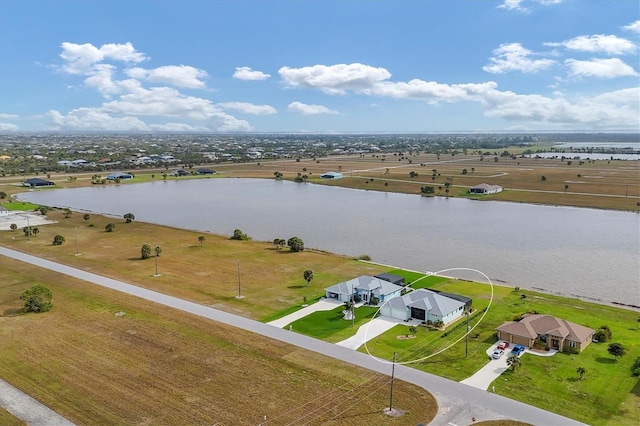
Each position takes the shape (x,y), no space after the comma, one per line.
(13,226)
(239,235)
(364,257)
(110,227)
(145,251)
(37,299)
(295,244)
(58,240)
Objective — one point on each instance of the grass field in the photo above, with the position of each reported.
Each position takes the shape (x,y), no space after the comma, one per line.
(7,419)
(331,326)
(607,395)
(159,366)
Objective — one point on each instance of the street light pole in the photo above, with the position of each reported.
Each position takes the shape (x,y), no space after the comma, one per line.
(28,231)
(239,296)
(393,372)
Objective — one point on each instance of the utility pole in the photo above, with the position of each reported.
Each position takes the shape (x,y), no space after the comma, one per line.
(239,296)
(28,231)
(466,345)
(393,373)
(77,246)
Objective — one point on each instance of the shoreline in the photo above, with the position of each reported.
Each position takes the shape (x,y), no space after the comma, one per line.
(496,281)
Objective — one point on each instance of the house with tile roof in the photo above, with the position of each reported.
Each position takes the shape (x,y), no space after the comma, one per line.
(424,305)
(556,333)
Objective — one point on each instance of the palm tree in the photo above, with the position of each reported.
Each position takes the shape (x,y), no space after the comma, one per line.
(581,371)
(514,362)
(201,239)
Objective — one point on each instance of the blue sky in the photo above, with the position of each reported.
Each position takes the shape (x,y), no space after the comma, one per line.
(320,66)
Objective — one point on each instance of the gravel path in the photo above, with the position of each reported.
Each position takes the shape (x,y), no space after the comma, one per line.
(458,403)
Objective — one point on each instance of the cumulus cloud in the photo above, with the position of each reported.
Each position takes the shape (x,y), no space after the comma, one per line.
(517,4)
(334,79)
(634,27)
(248,108)
(176,75)
(93,119)
(5,116)
(8,127)
(514,57)
(307,109)
(599,68)
(598,43)
(246,73)
(80,58)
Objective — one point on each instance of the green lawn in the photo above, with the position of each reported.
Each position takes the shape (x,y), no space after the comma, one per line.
(330,325)
(606,395)
(20,206)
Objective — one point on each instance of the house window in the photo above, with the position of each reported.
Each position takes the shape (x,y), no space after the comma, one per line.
(572,344)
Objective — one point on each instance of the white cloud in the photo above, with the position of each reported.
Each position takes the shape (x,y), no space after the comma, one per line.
(102,80)
(5,116)
(94,119)
(430,91)
(176,75)
(248,108)
(176,127)
(307,109)
(634,26)
(8,127)
(335,79)
(598,43)
(513,57)
(600,68)
(80,58)
(246,73)
(517,4)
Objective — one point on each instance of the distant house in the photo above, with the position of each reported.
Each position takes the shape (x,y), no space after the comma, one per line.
(37,182)
(119,176)
(206,172)
(556,333)
(364,288)
(331,175)
(392,278)
(424,305)
(484,188)
(3,211)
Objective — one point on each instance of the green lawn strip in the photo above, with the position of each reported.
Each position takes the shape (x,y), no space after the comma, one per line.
(546,382)
(330,325)
(20,206)
(8,419)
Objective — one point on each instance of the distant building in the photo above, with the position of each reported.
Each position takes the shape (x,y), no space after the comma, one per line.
(3,211)
(484,188)
(119,176)
(37,182)
(364,288)
(392,278)
(331,175)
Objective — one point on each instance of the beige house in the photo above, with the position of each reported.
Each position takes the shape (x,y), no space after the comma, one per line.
(556,333)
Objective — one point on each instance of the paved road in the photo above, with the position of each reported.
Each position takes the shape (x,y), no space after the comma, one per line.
(457,402)
(28,409)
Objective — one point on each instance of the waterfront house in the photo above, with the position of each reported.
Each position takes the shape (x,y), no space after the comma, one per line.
(555,333)
(364,288)
(484,188)
(37,182)
(424,305)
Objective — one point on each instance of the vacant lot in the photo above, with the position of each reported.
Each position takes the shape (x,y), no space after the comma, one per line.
(154,365)
(271,280)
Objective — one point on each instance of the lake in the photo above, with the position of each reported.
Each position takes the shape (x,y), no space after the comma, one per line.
(570,251)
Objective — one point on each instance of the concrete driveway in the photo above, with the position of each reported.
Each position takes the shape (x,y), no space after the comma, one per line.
(368,331)
(487,374)
(321,305)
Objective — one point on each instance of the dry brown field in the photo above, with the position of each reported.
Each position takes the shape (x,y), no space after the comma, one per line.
(271,279)
(158,366)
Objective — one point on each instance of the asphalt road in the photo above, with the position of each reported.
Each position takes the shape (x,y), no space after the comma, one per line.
(458,403)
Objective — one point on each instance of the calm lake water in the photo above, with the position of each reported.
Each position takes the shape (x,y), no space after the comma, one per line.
(570,251)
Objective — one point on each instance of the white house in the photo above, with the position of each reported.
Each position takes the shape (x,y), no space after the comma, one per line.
(484,188)
(364,288)
(4,211)
(423,305)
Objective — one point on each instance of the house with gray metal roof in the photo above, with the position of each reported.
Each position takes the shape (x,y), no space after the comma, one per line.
(364,288)
(423,305)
